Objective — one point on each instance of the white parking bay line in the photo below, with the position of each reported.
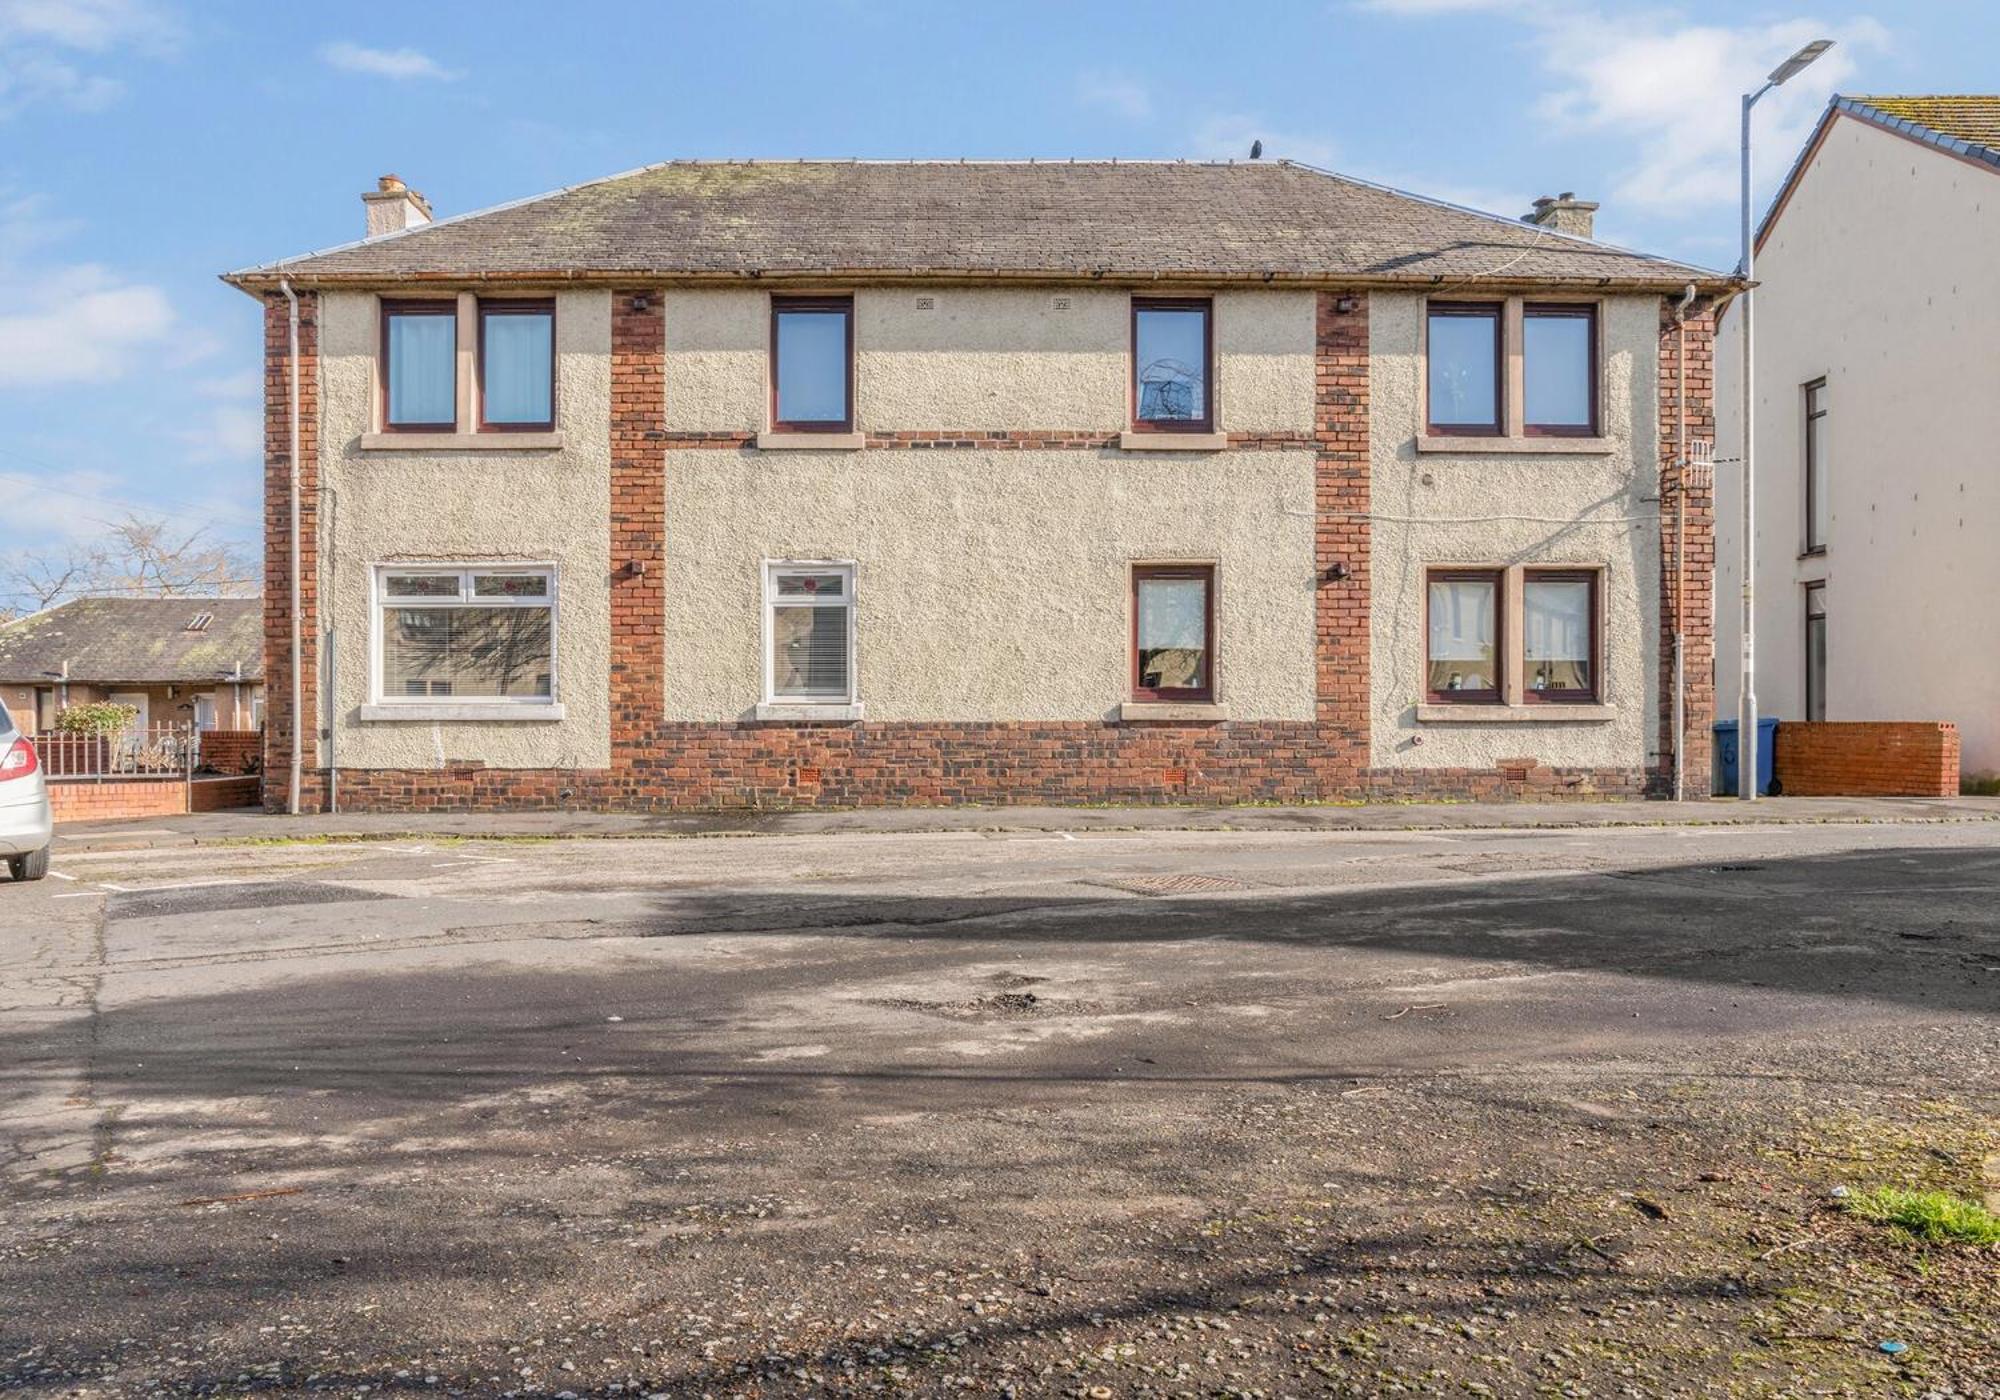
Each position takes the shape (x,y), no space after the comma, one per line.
(76,894)
(58,875)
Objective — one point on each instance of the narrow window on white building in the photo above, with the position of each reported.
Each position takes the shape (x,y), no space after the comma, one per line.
(1815,651)
(1818,515)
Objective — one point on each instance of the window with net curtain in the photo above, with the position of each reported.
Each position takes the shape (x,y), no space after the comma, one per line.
(1464,654)
(811,616)
(1558,614)
(471,634)
(1174,651)
(517,357)
(420,365)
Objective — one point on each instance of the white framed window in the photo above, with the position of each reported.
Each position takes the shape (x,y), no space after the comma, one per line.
(809,636)
(451,640)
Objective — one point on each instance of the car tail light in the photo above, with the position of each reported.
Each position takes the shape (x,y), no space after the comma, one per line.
(19,760)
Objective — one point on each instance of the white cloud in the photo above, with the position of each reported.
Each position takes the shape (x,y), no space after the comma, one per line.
(78,324)
(1677,94)
(1116,93)
(1227,136)
(37,35)
(1670,93)
(90,25)
(400,64)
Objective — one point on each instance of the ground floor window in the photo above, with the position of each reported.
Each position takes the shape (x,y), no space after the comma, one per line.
(1173,632)
(1462,663)
(483,633)
(1559,636)
(1815,651)
(1511,636)
(809,630)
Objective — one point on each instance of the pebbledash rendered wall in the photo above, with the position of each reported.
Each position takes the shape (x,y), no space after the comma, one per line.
(993,517)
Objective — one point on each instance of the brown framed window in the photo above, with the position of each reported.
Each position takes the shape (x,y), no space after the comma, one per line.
(517,366)
(1462,348)
(1559,636)
(812,364)
(1462,624)
(1816,650)
(1173,632)
(1559,373)
(419,366)
(1173,347)
(1818,514)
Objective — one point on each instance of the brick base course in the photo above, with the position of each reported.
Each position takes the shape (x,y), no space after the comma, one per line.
(1836,759)
(766,767)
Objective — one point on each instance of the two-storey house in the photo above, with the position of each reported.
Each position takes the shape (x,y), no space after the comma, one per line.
(850,483)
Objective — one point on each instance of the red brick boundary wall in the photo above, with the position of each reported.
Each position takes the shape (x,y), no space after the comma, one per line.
(1842,759)
(656,765)
(278,718)
(90,802)
(223,794)
(232,750)
(1695,594)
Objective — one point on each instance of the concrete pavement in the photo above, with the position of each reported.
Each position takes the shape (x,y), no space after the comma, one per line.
(212,827)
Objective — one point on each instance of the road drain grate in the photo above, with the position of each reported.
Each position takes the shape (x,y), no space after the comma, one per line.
(1155,886)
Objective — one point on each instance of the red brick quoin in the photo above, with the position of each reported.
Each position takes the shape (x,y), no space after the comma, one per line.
(656,765)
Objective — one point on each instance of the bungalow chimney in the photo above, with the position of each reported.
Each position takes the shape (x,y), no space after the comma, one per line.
(1565,214)
(393,205)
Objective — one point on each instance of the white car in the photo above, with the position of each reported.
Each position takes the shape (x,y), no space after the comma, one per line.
(25,823)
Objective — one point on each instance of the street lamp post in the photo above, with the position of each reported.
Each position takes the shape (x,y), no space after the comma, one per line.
(1746,719)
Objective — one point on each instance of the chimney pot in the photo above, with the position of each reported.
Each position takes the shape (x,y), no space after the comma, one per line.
(1563,213)
(393,205)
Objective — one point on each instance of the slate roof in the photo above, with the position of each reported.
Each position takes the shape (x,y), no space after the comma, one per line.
(1148,220)
(1967,125)
(135,641)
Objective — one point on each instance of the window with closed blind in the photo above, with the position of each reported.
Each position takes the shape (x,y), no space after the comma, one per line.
(809,631)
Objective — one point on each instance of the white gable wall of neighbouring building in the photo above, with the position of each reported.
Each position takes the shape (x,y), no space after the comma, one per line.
(1877,278)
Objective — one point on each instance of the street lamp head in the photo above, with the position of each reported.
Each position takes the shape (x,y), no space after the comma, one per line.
(1799,61)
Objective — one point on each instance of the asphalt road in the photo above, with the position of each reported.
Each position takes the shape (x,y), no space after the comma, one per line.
(1098,1114)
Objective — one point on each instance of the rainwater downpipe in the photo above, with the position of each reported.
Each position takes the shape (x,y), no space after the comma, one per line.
(1680,540)
(292,463)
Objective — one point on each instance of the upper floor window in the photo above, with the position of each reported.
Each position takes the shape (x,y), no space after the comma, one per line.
(1173,632)
(1463,343)
(1463,657)
(420,366)
(517,365)
(1172,349)
(812,364)
(1559,369)
(1818,513)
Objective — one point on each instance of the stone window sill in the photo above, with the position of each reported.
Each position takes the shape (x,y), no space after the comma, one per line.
(1184,711)
(462,442)
(1173,442)
(806,712)
(1515,714)
(811,442)
(1516,446)
(432,712)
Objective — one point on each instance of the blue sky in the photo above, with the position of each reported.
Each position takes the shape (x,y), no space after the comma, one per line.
(147,145)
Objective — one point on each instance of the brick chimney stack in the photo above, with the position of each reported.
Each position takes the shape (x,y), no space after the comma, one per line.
(1565,213)
(393,205)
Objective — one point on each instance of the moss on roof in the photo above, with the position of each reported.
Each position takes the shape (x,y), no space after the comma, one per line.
(135,641)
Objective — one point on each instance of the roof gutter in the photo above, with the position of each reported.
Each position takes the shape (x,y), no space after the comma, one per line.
(1670,282)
